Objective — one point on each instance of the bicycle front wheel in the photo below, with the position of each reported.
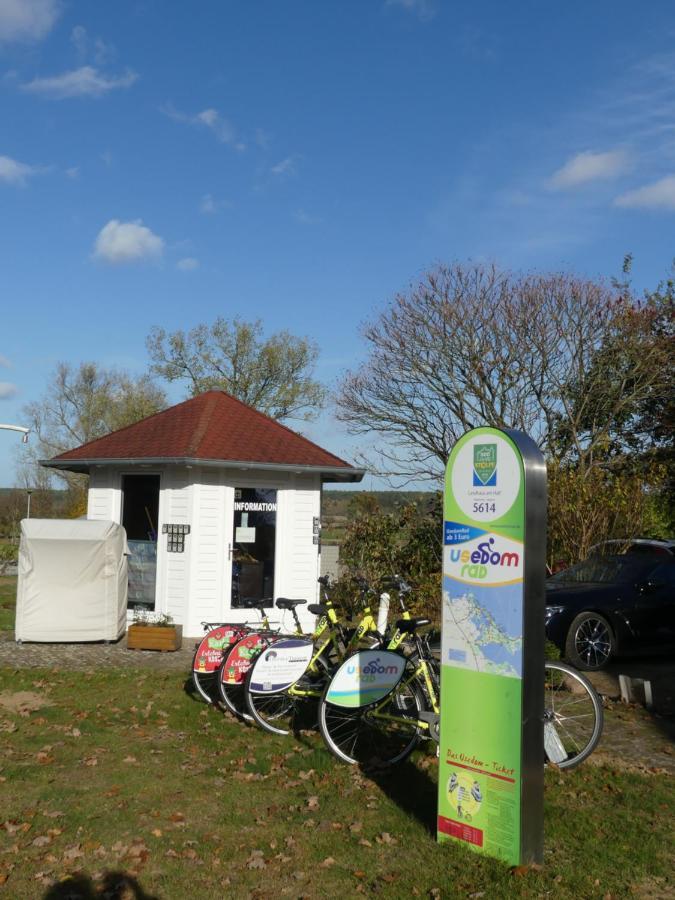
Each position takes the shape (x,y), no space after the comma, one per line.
(573,716)
(381,734)
(288,712)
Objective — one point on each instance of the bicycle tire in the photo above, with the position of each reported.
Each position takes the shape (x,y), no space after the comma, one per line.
(363,736)
(205,682)
(284,713)
(573,714)
(231,694)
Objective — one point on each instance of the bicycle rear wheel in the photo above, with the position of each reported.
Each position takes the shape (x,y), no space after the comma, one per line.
(233,670)
(381,734)
(573,716)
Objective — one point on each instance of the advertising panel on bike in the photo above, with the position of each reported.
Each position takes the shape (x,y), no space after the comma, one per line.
(239,658)
(280,666)
(365,677)
(209,654)
(491,760)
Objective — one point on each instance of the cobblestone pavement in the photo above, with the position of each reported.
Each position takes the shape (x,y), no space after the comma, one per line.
(632,737)
(92,656)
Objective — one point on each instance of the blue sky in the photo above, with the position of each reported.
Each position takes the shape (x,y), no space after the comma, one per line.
(300,162)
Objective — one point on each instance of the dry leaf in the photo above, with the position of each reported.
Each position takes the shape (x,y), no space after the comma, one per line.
(41,841)
(327,863)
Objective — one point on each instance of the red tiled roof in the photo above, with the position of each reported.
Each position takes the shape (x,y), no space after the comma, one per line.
(212,426)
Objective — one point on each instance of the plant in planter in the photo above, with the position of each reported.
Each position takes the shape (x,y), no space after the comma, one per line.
(150,631)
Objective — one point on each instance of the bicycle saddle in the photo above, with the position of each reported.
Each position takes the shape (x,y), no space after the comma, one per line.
(255,603)
(412,624)
(318,609)
(285,603)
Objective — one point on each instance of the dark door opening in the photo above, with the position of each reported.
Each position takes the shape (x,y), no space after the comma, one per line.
(140,512)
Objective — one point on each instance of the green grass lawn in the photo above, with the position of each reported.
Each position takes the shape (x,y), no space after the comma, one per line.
(122,771)
(7,602)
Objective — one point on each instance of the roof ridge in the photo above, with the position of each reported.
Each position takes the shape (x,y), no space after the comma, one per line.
(278,423)
(204,422)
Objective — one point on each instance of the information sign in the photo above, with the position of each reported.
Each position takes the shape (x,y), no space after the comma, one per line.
(277,668)
(492,646)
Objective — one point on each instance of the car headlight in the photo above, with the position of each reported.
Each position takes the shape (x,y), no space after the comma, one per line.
(553,611)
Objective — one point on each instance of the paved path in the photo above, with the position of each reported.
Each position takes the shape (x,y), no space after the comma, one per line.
(91,656)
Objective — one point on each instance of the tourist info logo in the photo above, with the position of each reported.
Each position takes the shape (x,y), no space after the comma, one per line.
(485,465)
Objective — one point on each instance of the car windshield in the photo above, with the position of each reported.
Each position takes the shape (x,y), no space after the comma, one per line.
(627,569)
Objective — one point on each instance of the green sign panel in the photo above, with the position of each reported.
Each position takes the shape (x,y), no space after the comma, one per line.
(491,765)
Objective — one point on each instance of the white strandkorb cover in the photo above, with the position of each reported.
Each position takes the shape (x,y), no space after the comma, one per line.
(72,581)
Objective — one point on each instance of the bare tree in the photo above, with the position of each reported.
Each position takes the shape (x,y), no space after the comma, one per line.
(79,405)
(273,375)
(472,345)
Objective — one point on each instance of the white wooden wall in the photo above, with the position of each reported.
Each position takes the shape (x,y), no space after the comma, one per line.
(194,586)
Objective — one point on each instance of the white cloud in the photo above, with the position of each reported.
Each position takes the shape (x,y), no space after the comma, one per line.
(7,389)
(83,82)
(188,264)
(208,205)
(209,118)
(425,9)
(5,362)
(589,166)
(285,167)
(659,195)
(27,20)
(73,173)
(14,172)
(127,242)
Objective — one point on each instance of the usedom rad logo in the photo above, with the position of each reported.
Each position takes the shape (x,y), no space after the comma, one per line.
(485,465)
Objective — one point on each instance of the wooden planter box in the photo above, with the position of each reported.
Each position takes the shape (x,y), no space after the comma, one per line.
(155,637)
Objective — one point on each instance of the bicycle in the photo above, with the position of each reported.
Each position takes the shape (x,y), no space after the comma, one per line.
(282,708)
(209,652)
(384,730)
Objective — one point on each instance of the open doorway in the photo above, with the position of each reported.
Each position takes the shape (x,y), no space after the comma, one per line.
(140,514)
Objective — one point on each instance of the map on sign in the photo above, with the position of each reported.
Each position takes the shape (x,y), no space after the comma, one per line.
(482,629)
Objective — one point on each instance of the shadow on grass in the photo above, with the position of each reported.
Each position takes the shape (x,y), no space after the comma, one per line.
(411,789)
(113,886)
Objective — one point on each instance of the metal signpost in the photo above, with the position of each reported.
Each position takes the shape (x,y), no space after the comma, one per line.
(492,664)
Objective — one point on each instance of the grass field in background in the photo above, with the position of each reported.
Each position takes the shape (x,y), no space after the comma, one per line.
(7,602)
(123,771)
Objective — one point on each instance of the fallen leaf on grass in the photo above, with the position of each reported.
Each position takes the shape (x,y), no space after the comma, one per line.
(256,860)
(41,841)
(91,761)
(72,853)
(52,814)
(327,863)
(355,827)
(385,838)
(312,803)
(14,827)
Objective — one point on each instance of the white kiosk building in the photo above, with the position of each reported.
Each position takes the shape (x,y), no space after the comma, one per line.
(220,503)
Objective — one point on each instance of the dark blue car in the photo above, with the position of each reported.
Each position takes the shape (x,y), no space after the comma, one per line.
(609,605)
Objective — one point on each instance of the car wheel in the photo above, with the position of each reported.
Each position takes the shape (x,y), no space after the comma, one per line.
(590,641)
